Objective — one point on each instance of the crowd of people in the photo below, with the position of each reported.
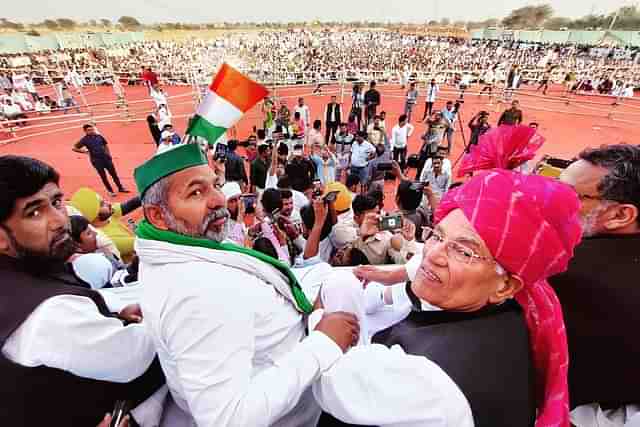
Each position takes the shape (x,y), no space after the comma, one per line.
(276,281)
(329,54)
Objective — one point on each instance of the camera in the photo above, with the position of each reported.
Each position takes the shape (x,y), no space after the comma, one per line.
(390,222)
(419,186)
(331,197)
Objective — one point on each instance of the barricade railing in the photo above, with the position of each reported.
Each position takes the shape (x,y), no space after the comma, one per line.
(134,110)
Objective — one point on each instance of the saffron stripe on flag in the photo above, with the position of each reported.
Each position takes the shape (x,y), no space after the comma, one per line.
(201,127)
(237,88)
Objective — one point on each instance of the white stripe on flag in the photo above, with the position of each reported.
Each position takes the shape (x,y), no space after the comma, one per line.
(218,111)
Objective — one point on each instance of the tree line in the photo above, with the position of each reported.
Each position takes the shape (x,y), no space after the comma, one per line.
(529,17)
(543,17)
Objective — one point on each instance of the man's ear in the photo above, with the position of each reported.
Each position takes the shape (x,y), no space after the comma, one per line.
(508,287)
(621,216)
(155,216)
(6,248)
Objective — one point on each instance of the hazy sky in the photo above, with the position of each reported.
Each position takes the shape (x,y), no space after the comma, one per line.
(197,11)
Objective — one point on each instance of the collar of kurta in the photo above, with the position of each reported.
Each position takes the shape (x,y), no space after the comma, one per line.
(146,230)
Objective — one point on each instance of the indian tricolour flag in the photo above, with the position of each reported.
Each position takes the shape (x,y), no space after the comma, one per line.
(230,96)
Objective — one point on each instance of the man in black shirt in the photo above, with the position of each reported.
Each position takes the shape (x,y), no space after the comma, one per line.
(512,116)
(234,165)
(333,118)
(300,170)
(479,125)
(371,101)
(96,146)
(599,292)
(260,167)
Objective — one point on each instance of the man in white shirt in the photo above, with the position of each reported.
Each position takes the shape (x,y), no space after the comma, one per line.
(60,341)
(399,139)
(432,94)
(227,322)
(12,111)
(361,153)
(446,163)
(304,112)
(438,179)
(376,132)
(343,141)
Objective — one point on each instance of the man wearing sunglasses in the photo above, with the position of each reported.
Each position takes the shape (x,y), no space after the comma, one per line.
(599,292)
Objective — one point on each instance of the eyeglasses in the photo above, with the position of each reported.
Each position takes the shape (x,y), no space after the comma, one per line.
(584,197)
(455,250)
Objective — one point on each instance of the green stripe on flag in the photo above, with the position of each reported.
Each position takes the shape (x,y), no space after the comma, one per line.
(201,127)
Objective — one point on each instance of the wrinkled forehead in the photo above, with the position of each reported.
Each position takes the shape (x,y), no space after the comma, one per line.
(199,175)
(457,227)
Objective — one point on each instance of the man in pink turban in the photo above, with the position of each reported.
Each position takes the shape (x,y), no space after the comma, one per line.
(484,343)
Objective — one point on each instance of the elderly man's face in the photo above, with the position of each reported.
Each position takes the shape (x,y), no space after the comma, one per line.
(39,227)
(195,206)
(584,177)
(447,282)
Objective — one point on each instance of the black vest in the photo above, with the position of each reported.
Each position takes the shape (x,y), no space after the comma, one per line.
(35,396)
(485,353)
(330,108)
(600,297)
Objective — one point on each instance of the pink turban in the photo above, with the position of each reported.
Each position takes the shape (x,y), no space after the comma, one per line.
(505,147)
(531,226)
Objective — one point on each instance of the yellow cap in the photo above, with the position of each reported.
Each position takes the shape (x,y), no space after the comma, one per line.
(87,202)
(343,201)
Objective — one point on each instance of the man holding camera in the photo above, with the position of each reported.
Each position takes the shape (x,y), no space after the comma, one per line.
(450,114)
(479,125)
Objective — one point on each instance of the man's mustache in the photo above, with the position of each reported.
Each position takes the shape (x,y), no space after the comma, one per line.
(214,216)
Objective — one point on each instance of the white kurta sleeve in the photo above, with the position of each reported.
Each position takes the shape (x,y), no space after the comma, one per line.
(375,385)
(214,360)
(68,333)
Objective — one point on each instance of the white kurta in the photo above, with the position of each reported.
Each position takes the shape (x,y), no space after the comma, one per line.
(233,349)
(376,385)
(68,332)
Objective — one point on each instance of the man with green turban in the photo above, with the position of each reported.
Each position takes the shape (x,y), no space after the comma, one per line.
(227,321)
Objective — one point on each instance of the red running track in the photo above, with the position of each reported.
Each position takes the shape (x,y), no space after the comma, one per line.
(568,129)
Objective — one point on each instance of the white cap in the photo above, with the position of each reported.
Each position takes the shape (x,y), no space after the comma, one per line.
(231,190)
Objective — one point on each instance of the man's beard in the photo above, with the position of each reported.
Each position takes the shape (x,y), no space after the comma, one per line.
(203,232)
(60,249)
(589,221)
